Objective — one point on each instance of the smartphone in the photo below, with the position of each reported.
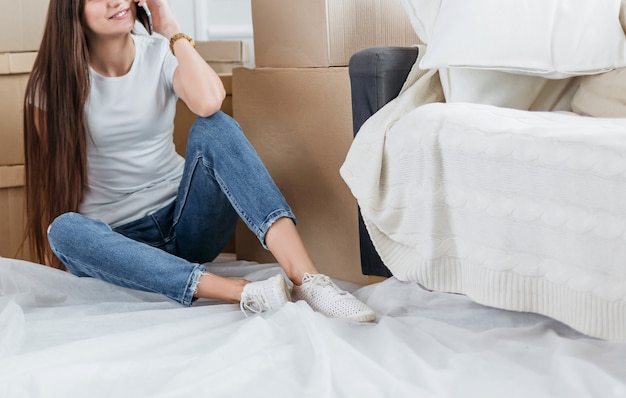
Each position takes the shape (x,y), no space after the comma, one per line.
(145,17)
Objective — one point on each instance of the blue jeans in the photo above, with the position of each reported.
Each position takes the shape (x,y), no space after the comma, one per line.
(164,251)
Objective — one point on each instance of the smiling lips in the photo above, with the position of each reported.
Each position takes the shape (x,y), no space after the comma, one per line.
(120,15)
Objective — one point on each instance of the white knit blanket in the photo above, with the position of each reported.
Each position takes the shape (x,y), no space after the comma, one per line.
(518,210)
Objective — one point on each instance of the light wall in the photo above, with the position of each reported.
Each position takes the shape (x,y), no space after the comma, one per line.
(216,20)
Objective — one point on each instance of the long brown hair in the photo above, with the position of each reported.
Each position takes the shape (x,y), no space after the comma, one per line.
(55,131)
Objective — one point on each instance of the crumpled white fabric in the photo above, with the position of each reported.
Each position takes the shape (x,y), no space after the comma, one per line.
(63,336)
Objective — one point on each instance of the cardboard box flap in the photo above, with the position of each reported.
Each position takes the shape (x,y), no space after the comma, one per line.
(223,51)
(13,63)
(11,176)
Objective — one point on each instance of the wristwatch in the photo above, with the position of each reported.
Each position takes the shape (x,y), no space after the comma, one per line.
(179,36)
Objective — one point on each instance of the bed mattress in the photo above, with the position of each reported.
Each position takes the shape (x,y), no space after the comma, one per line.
(518,210)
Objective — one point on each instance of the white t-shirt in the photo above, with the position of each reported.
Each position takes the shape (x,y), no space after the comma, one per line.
(133,167)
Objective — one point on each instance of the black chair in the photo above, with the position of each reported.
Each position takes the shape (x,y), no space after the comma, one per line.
(376,77)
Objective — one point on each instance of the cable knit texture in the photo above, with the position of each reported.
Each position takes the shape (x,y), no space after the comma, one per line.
(519,210)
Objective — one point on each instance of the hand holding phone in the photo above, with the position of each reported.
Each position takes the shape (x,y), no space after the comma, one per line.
(145,17)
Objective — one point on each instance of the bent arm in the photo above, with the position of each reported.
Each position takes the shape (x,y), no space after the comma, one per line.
(195,82)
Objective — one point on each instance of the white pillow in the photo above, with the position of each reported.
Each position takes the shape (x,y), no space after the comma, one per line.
(490,87)
(507,90)
(550,38)
(422,14)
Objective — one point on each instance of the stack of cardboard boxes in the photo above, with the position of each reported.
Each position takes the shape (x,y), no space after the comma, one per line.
(295,108)
(21,26)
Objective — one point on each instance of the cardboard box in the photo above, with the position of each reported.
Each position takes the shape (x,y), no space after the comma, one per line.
(322,33)
(300,122)
(12,213)
(224,55)
(21,24)
(14,69)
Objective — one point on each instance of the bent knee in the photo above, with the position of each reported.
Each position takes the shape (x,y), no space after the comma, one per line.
(63,221)
(219,124)
(70,228)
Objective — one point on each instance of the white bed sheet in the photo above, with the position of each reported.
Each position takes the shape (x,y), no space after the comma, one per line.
(63,336)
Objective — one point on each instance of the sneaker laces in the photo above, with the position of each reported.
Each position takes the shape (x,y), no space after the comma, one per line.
(255,302)
(323,281)
(324,296)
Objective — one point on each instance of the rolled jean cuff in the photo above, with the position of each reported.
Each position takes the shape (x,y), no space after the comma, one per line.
(270,220)
(192,286)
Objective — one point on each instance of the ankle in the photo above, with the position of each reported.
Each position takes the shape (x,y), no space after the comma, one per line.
(297,275)
(217,287)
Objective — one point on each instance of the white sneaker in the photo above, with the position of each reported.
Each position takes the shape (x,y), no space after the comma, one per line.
(327,298)
(264,295)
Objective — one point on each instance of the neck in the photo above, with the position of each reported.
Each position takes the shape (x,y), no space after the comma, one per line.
(111,56)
